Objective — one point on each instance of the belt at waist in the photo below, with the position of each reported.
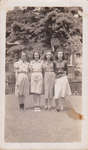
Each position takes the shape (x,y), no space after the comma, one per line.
(49,71)
(60,75)
(60,72)
(36,71)
(22,72)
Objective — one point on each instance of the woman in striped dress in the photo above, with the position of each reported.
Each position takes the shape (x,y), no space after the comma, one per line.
(49,80)
(21,69)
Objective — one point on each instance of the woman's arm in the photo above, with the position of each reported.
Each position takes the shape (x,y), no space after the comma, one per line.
(54,66)
(66,68)
(16,68)
(43,68)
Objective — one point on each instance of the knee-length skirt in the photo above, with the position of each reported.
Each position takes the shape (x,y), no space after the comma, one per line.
(36,83)
(49,81)
(22,85)
(62,87)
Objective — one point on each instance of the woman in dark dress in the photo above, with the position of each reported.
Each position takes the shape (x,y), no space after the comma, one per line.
(62,88)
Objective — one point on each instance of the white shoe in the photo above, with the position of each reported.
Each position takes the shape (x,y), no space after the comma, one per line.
(61,108)
(46,107)
(49,107)
(37,109)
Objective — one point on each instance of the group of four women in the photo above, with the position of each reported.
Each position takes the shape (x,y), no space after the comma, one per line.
(39,77)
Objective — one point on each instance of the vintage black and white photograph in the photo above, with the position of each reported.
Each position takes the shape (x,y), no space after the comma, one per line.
(43,74)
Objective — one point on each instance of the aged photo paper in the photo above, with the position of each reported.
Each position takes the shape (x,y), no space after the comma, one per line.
(43,74)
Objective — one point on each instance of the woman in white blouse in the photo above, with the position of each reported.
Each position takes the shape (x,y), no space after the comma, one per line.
(21,68)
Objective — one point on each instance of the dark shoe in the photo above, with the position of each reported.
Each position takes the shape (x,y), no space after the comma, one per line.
(58,110)
(22,106)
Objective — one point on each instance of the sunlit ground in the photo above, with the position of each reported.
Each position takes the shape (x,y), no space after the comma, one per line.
(43,126)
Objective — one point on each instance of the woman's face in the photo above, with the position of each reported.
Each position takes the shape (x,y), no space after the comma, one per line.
(23,56)
(60,55)
(36,56)
(48,55)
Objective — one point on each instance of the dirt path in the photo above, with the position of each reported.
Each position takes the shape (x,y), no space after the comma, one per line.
(44,126)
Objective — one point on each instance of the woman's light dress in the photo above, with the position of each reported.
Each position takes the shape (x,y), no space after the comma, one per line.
(62,88)
(22,81)
(49,79)
(36,77)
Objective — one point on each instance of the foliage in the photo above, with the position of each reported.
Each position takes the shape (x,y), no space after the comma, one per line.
(43,28)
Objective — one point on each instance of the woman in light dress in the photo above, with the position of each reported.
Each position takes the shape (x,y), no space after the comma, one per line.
(36,68)
(62,88)
(49,80)
(21,69)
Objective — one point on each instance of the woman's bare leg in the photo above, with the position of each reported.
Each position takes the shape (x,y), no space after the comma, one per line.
(50,103)
(68,102)
(61,103)
(56,103)
(46,103)
(36,100)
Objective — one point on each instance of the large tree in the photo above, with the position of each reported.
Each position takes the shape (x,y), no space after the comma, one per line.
(43,28)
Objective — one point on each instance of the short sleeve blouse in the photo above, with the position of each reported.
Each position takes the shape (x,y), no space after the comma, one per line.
(36,66)
(48,67)
(21,66)
(60,68)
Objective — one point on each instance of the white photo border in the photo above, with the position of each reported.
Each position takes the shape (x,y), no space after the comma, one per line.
(4,7)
